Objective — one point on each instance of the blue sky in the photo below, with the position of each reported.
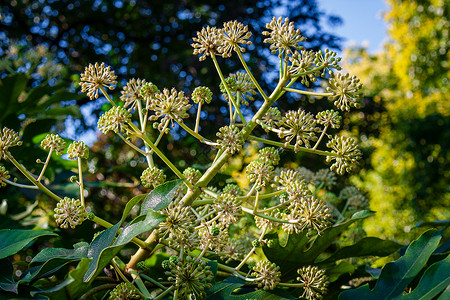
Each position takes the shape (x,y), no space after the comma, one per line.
(363,21)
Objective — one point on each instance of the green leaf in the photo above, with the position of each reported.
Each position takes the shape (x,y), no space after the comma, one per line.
(396,276)
(341,268)
(10,88)
(370,246)
(161,196)
(446,294)
(14,240)
(7,282)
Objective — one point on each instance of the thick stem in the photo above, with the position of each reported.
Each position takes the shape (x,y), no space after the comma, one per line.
(143,122)
(197,120)
(80,182)
(143,253)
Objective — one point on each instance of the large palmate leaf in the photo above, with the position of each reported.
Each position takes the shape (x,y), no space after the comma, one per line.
(14,240)
(161,196)
(396,276)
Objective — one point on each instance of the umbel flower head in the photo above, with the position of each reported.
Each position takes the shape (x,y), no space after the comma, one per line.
(4,175)
(202,94)
(179,221)
(114,119)
(230,139)
(206,42)
(314,282)
(95,77)
(303,66)
(55,142)
(69,212)
(267,274)
(170,105)
(148,90)
(124,291)
(283,36)
(270,154)
(131,93)
(228,207)
(345,91)
(8,138)
(78,149)
(231,36)
(301,127)
(329,118)
(243,84)
(192,277)
(192,175)
(324,177)
(260,172)
(347,154)
(152,177)
(271,118)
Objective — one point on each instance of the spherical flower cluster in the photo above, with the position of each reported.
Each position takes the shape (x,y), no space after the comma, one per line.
(230,139)
(271,118)
(231,83)
(269,154)
(148,90)
(152,177)
(305,174)
(244,86)
(231,36)
(303,66)
(348,191)
(283,36)
(346,155)
(188,242)
(170,105)
(192,175)
(328,61)
(55,142)
(202,94)
(324,177)
(114,119)
(207,41)
(124,291)
(191,277)
(4,175)
(301,128)
(8,138)
(95,77)
(69,212)
(289,180)
(267,274)
(131,93)
(345,91)
(232,189)
(314,282)
(228,208)
(260,172)
(78,149)
(213,236)
(356,201)
(329,118)
(179,221)
(232,250)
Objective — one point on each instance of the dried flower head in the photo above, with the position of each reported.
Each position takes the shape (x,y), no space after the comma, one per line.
(179,221)
(192,175)
(96,77)
(131,93)
(207,42)
(271,118)
(231,36)
(202,94)
(314,282)
(173,105)
(114,119)
(8,138)
(346,152)
(124,291)
(260,172)
(4,175)
(69,212)
(230,138)
(54,142)
(283,36)
(301,126)
(329,118)
(267,274)
(270,154)
(228,208)
(152,177)
(324,177)
(78,149)
(191,277)
(345,91)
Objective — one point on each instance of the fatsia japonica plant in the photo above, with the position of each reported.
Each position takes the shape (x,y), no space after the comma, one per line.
(287,234)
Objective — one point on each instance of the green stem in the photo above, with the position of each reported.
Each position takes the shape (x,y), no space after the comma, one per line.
(321,137)
(143,122)
(45,164)
(155,282)
(263,232)
(131,145)
(197,120)
(80,178)
(161,134)
(24,186)
(140,284)
(163,294)
(255,206)
(98,289)
(306,92)
(197,135)
(102,89)
(258,214)
(258,87)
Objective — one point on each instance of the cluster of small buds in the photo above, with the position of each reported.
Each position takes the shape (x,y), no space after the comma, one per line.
(271,118)
(207,42)
(305,174)
(230,139)
(179,222)
(232,250)
(213,236)
(69,212)
(231,35)
(301,127)
(291,182)
(345,91)
(192,175)
(356,201)
(152,177)
(314,282)
(8,138)
(283,36)
(55,142)
(262,223)
(170,105)
(260,172)
(228,208)
(232,189)
(187,242)
(329,118)
(244,86)
(267,274)
(303,66)
(131,93)
(328,61)
(191,276)
(95,77)
(148,90)
(324,177)
(4,175)
(114,119)
(202,94)
(270,154)
(346,152)
(78,149)
(230,82)
(124,291)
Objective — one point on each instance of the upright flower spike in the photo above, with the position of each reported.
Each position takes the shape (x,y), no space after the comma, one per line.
(283,37)
(301,127)
(4,175)
(152,177)
(202,94)
(267,274)
(347,156)
(8,138)
(230,139)
(131,93)
(69,212)
(96,76)
(114,119)
(314,282)
(206,42)
(231,36)
(78,149)
(54,142)
(345,91)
